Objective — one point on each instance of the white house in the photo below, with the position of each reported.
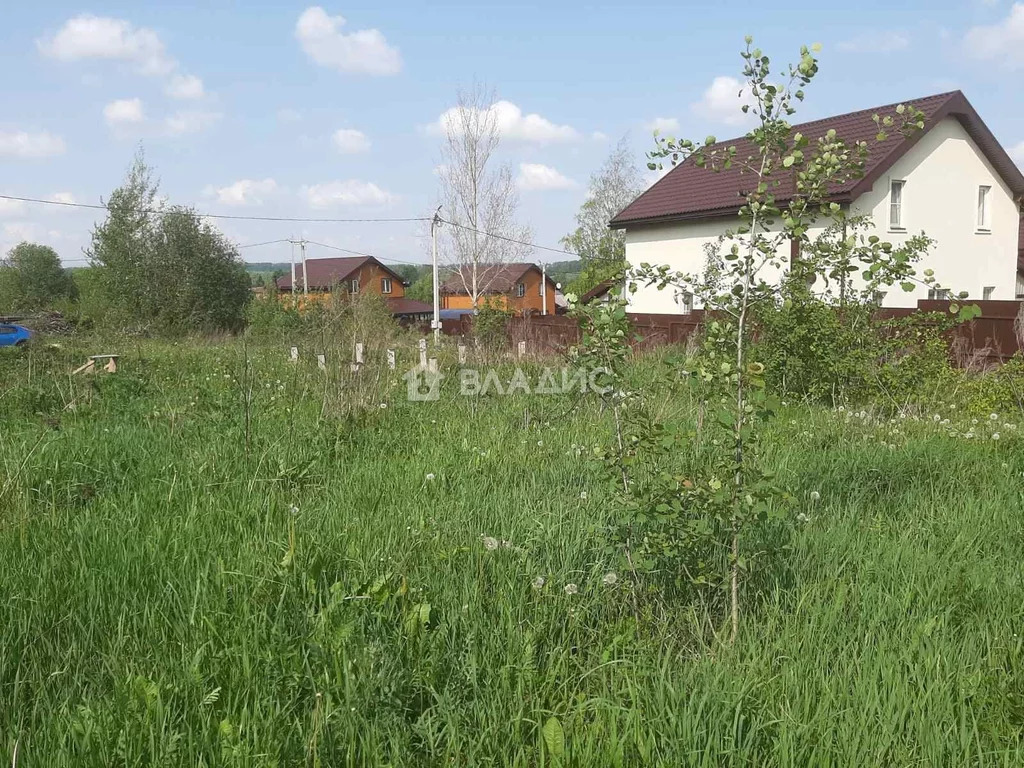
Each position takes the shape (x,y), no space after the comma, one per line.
(952,181)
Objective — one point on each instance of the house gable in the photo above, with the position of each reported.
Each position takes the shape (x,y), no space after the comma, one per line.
(691,192)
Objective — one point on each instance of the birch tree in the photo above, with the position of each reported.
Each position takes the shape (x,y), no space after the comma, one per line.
(478,195)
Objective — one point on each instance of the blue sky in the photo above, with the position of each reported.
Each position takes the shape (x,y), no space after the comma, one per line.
(239,106)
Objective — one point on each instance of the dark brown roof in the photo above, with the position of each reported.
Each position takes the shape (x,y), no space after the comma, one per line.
(409,307)
(492,278)
(597,291)
(692,192)
(324,274)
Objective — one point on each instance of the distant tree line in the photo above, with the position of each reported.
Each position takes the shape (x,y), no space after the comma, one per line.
(154,267)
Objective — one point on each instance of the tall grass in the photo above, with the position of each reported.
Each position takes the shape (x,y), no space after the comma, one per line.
(208,562)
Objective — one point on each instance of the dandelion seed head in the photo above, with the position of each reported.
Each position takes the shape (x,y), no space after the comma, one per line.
(490,543)
(539,582)
(815,496)
(430,477)
(610,579)
(571,589)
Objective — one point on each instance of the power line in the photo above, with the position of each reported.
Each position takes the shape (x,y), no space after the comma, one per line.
(268,242)
(297,219)
(364,253)
(511,239)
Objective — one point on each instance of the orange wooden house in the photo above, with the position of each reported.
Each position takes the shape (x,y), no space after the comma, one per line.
(519,287)
(355,275)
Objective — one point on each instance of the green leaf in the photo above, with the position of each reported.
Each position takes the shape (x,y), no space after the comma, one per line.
(908,287)
(554,737)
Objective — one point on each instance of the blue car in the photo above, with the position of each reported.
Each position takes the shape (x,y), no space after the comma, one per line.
(14,335)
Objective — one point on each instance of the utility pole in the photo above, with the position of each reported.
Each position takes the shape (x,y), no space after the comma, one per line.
(301,242)
(544,289)
(434,224)
(293,266)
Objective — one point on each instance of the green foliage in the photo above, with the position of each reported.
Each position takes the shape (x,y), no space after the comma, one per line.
(165,269)
(32,278)
(490,325)
(422,289)
(602,251)
(317,597)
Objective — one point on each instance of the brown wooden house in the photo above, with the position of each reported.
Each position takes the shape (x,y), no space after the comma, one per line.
(519,287)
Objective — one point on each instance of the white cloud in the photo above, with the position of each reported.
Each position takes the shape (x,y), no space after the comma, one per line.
(364,51)
(189,121)
(534,176)
(876,42)
(30,145)
(185,87)
(11,208)
(722,102)
(98,37)
(1002,42)
(349,193)
(349,141)
(62,197)
(599,136)
(244,192)
(513,124)
(20,231)
(663,125)
(124,112)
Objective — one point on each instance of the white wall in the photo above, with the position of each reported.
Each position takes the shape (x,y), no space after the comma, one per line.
(942,173)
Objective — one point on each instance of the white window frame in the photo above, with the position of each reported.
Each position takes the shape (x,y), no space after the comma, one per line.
(353,285)
(896,204)
(520,290)
(385,285)
(984,213)
(939,294)
(987,291)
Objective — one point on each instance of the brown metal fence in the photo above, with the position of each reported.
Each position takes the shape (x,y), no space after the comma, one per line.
(992,336)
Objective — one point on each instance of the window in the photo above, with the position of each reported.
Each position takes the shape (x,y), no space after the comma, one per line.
(385,285)
(6,329)
(1020,286)
(520,290)
(896,204)
(877,297)
(353,286)
(685,301)
(938,294)
(987,291)
(984,208)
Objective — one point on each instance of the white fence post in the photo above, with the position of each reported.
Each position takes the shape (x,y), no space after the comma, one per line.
(294,354)
(391,359)
(462,354)
(432,365)
(522,349)
(423,353)
(359,352)
(321,362)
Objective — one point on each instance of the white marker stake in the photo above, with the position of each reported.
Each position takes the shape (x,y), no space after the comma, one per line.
(462,354)
(359,353)
(391,359)
(295,354)
(432,365)
(321,362)
(423,353)
(522,349)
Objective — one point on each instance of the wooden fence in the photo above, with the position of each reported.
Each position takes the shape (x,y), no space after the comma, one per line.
(991,337)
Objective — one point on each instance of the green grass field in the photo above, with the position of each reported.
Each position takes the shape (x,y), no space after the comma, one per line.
(211,563)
